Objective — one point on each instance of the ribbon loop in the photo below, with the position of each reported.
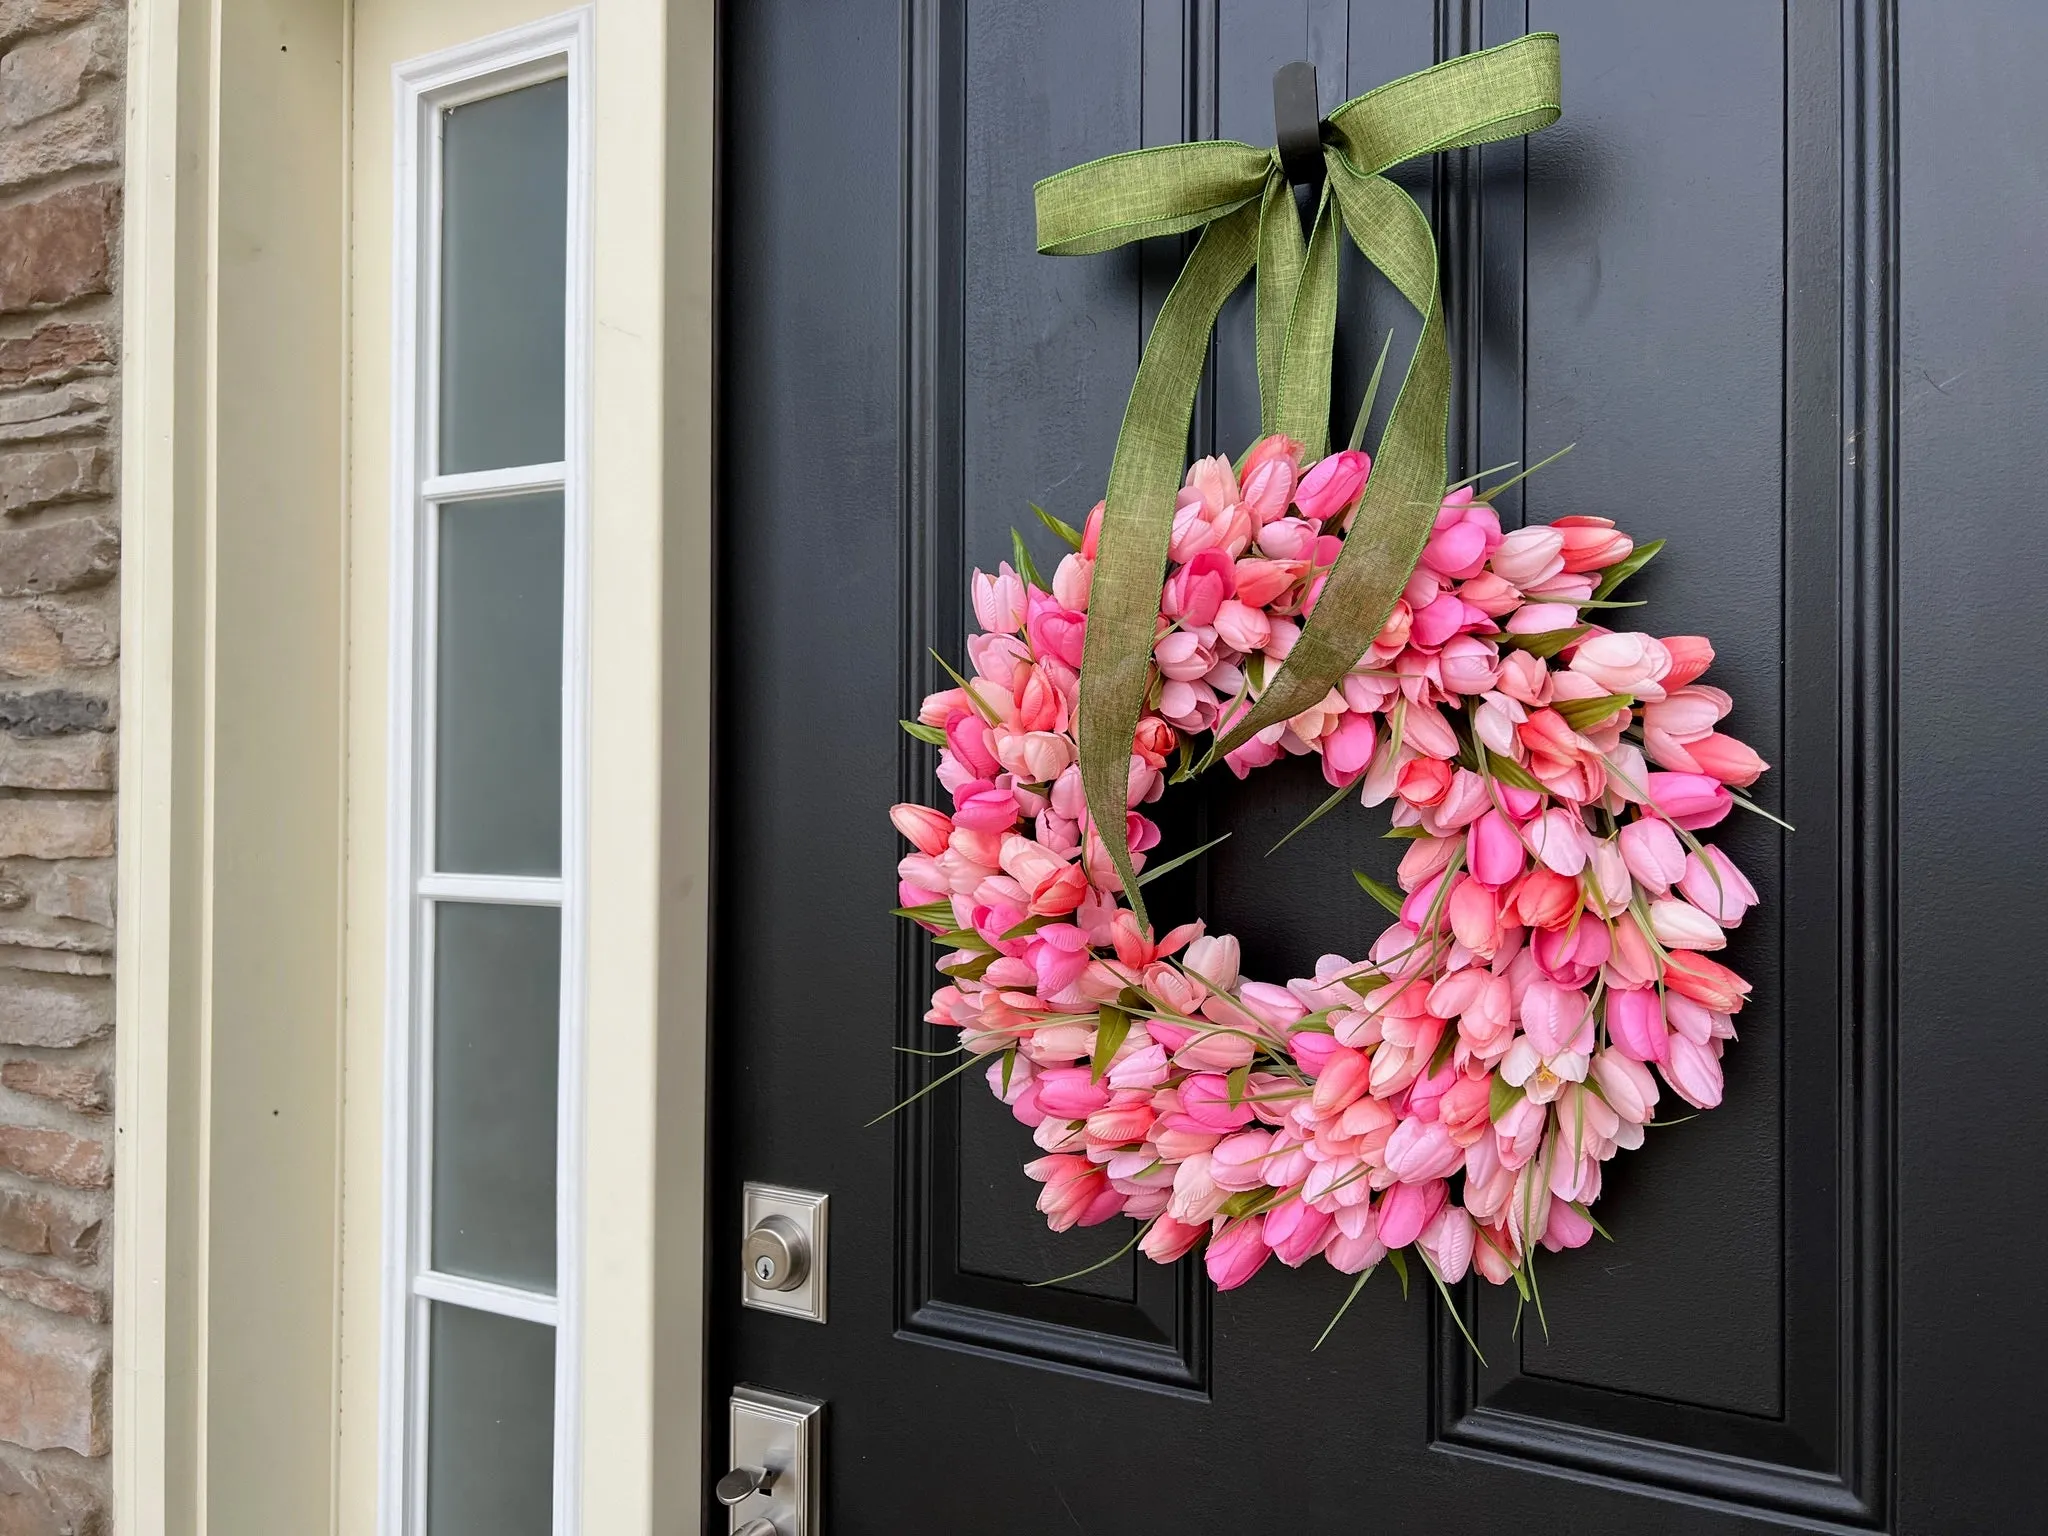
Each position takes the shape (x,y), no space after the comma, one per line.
(1241,199)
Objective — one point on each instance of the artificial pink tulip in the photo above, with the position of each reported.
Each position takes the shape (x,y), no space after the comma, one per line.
(1592,543)
(1704,981)
(1691,655)
(1635,1023)
(1205,1100)
(1167,1240)
(1654,854)
(1297,1232)
(1693,801)
(1496,850)
(1681,925)
(1528,556)
(1236,1253)
(1332,485)
(1623,663)
(1724,758)
(1076,1192)
(1348,748)
(1627,1084)
(927,829)
(1694,1073)
(1566,1228)
(1447,1242)
(1406,1209)
(998,600)
(1715,885)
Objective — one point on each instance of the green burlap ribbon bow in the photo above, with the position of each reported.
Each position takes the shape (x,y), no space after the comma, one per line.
(1240,198)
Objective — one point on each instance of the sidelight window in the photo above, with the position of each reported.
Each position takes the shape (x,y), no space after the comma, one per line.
(484,1029)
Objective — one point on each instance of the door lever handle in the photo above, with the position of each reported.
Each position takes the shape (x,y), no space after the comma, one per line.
(741,1484)
(757,1528)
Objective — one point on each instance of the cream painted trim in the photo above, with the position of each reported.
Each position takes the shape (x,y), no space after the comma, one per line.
(233,701)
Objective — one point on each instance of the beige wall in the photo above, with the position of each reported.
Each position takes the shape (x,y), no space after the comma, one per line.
(253,872)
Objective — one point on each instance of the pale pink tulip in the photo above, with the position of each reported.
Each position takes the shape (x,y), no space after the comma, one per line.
(1714,884)
(1654,854)
(998,600)
(1694,1073)
(1623,662)
(1447,1242)
(1681,925)
(1406,1209)
(1167,1239)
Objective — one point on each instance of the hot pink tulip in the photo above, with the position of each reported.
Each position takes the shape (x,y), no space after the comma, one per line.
(1692,800)
(1056,631)
(1635,1023)
(1333,485)
(1236,1253)
(1297,1231)
(1198,589)
(1406,1209)
(1205,1100)
(1496,850)
(1348,749)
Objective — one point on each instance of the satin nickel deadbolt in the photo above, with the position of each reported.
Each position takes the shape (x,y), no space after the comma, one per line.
(777,1254)
(776,1443)
(782,1251)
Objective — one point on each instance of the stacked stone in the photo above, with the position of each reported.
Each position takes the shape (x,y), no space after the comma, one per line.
(60,194)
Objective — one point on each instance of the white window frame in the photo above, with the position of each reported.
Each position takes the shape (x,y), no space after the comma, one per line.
(555,48)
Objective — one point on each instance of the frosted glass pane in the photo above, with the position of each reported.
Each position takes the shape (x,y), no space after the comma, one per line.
(504,243)
(497,982)
(498,735)
(490,1425)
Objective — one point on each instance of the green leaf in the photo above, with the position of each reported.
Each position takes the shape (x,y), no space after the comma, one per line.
(930,912)
(1505,1097)
(1357,1286)
(1175,863)
(1508,771)
(1488,495)
(1400,1263)
(1372,390)
(1367,984)
(1405,833)
(1385,895)
(1065,531)
(1580,713)
(1445,1044)
(923,732)
(1136,1238)
(1240,1081)
(1030,925)
(1026,567)
(1009,1066)
(1459,485)
(1638,557)
(937,1082)
(1313,817)
(1111,1025)
(1451,1307)
(1547,644)
(965,687)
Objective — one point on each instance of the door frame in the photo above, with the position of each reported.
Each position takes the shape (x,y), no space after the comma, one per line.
(252,691)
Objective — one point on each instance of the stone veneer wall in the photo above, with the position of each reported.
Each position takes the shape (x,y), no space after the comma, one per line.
(60,199)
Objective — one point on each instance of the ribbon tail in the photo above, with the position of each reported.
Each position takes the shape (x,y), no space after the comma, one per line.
(1300,408)
(1282,254)
(1137,526)
(1402,495)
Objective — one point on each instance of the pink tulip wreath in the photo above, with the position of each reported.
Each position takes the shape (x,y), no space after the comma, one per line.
(1459,1088)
